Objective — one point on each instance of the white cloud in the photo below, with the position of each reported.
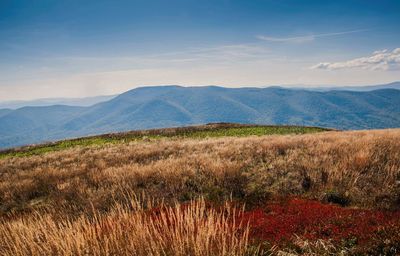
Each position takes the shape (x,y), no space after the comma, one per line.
(379,60)
(305,38)
(379,51)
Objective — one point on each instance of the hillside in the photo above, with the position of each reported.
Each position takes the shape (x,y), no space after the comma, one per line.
(166,106)
(211,130)
(213,190)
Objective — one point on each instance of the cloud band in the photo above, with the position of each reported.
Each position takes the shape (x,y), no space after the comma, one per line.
(379,60)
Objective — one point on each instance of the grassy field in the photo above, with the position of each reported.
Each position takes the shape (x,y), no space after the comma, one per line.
(211,130)
(206,192)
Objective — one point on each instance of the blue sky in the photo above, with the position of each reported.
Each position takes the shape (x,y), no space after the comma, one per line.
(85,48)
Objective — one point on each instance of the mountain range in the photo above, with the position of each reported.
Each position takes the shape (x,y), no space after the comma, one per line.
(87,101)
(166,106)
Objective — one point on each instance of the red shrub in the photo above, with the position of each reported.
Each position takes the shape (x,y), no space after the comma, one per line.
(278,222)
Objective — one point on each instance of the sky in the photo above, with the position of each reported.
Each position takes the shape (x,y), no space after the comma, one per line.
(86,48)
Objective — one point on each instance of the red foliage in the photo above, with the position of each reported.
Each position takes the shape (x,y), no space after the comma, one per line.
(278,222)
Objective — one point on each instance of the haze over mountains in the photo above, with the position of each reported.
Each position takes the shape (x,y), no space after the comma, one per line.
(165,106)
(87,101)
(394,85)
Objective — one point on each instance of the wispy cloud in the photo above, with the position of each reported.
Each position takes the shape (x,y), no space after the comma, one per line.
(221,55)
(306,38)
(218,53)
(379,60)
(193,57)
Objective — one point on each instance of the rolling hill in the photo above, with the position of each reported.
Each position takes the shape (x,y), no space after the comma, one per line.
(176,189)
(167,106)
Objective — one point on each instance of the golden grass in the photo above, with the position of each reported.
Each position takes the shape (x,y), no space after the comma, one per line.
(192,229)
(363,166)
(74,202)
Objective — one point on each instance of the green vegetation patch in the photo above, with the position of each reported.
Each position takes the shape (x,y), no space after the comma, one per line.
(205,131)
(56,146)
(254,130)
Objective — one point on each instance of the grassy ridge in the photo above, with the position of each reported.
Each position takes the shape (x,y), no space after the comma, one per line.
(225,196)
(204,131)
(357,168)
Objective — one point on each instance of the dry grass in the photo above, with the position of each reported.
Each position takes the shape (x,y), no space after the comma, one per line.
(363,167)
(74,201)
(193,229)
(311,248)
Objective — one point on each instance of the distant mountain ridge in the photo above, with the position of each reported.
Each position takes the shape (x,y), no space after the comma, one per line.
(166,106)
(88,101)
(83,102)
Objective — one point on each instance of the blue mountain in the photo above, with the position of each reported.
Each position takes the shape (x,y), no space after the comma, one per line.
(166,106)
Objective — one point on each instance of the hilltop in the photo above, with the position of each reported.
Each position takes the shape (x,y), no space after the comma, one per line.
(210,130)
(221,189)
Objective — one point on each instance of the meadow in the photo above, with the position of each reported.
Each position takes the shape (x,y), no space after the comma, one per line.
(200,131)
(226,191)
